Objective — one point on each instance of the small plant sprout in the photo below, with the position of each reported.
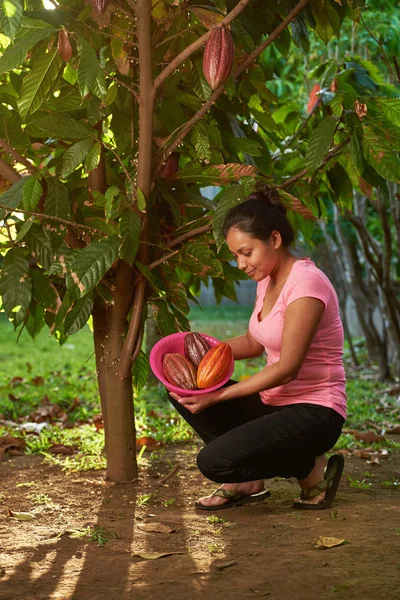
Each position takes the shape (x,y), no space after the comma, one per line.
(143,499)
(215,520)
(358,484)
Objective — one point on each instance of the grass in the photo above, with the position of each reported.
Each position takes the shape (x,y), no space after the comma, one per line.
(40,379)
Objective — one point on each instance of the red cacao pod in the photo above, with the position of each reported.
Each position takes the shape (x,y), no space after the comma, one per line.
(214,366)
(314,98)
(100,5)
(218,56)
(195,347)
(63,46)
(170,167)
(179,371)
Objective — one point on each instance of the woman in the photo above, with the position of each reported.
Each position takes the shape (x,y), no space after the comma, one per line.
(282,420)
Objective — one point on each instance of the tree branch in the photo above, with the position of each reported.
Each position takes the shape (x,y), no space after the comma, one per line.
(8,172)
(243,66)
(196,46)
(44,217)
(17,156)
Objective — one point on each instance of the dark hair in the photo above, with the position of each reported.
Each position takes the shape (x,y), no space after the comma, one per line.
(259,215)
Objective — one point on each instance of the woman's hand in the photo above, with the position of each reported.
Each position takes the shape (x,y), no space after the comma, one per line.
(195,404)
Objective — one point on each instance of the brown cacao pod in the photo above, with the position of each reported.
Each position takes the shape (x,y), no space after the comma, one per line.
(170,167)
(214,366)
(195,347)
(100,5)
(218,56)
(179,371)
(63,46)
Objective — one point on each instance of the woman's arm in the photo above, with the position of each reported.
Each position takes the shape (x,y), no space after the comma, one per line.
(302,318)
(245,346)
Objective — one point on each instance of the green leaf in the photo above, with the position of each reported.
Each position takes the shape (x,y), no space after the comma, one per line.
(39,245)
(149,276)
(230,197)
(320,143)
(165,321)
(90,74)
(141,200)
(75,155)
(32,191)
(380,156)
(356,153)
(24,229)
(43,291)
(79,315)
(38,83)
(129,229)
(10,16)
(60,127)
(93,157)
(111,95)
(391,109)
(90,264)
(15,285)
(244,145)
(140,371)
(35,322)
(12,197)
(57,201)
(326,21)
(201,142)
(199,82)
(341,185)
(15,55)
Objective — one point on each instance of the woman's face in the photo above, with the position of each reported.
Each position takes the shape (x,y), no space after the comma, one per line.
(255,257)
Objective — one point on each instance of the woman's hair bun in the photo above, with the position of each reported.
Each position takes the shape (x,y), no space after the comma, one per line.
(269,195)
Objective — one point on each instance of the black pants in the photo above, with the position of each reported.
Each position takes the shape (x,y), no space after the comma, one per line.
(248,440)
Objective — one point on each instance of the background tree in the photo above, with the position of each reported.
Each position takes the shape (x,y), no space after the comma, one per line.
(108,132)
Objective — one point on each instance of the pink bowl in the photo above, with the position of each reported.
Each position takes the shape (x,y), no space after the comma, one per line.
(174,343)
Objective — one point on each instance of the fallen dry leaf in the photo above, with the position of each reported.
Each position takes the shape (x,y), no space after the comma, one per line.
(367,436)
(153,555)
(38,380)
(156,527)
(9,443)
(20,516)
(328,542)
(149,442)
(395,429)
(61,449)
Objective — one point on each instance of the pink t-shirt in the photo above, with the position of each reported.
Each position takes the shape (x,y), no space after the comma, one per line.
(321,379)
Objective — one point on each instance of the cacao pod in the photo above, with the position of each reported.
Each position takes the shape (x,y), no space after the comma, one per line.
(170,167)
(100,5)
(195,347)
(63,46)
(179,371)
(214,366)
(218,56)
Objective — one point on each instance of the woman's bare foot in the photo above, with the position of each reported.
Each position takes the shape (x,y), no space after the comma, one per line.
(316,476)
(248,488)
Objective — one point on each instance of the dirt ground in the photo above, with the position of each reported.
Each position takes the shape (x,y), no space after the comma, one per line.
(260,550)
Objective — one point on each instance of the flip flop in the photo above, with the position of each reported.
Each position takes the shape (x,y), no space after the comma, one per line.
(329,485)
(234,499)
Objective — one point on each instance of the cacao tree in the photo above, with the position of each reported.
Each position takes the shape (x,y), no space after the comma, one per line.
(109,130)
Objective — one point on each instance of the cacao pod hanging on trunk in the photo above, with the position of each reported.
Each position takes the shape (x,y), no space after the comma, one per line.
(195,347)
(170,167)
(100,5)
(218,56)
(214,366)
(179,371)
(63,46)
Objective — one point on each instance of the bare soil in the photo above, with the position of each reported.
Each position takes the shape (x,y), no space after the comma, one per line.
(260,550)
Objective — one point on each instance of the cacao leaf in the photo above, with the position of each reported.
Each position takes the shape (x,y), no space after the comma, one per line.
(60,127)
(296,205)
(140,372)
(380,156)
(341,185)
(150,276)
(356,153)
(390,108)
(90,264)
(32,192)
(38,83)
(202,143)
(11,17)
(57,201)
(129,229)
(24,229)
(208,18)
(226,200)
(320,143)
(90,74)
(44,292)
(35,322)
(15,54)
(199,84)
(93,158)
(111,95)
(12,197)
(327,19)
(165,321)
(244,145)
(75,155)
(79,315)
(39,246)
(15,285)
(64,47)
